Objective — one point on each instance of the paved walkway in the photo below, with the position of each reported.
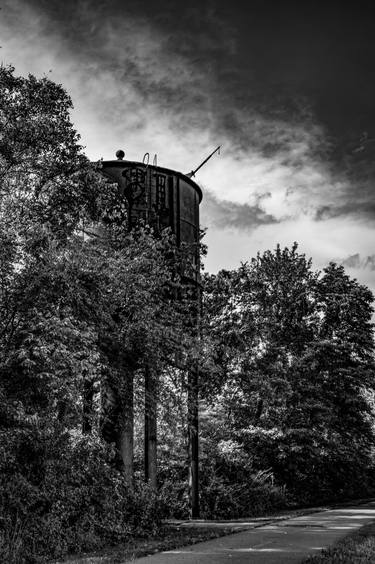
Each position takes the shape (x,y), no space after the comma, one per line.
(288,541)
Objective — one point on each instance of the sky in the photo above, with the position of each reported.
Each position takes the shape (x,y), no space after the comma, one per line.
(286,88)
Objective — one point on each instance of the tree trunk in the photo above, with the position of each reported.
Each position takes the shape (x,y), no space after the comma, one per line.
(150,445)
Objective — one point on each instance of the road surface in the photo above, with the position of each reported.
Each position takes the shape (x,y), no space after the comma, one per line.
(287,541)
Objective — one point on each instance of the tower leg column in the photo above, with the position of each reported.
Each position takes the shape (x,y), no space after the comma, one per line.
(193,443)
(150,445)
(125,440)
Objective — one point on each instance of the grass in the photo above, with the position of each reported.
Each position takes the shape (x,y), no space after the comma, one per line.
(168,539)
(357,548)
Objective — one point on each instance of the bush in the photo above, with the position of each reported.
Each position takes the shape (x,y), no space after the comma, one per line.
(255,496)
(315,469)
(232,487)
(81,503)
(174,496)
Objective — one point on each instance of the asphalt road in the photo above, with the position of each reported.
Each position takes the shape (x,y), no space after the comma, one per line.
(287,541)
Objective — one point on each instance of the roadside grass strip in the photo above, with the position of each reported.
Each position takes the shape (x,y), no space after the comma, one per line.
(169,538)
(356,548)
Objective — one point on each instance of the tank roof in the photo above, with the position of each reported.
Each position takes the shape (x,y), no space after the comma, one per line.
(121,162)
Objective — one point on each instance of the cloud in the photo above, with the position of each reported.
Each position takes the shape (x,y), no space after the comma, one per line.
(223,214)
(362,267)
(157,60)
(178,80)
(356,261)
(155,81)
(362,210)
(356,197)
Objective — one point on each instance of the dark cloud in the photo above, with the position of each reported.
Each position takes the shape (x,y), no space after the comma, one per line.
(226,214)
(351,209)
(263,56)
(169,52)
(356,198)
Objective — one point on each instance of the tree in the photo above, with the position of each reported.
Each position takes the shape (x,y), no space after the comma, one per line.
(83,302)
(47,343)
(261,317)
(298,378)
(47,187)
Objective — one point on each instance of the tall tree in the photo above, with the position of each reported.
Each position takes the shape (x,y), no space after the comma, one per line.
(46,188)
(298,381)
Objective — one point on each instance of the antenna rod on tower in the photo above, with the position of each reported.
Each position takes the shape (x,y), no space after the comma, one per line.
(192,173)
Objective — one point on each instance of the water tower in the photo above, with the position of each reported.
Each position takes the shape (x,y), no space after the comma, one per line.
(159,196)
(163,198)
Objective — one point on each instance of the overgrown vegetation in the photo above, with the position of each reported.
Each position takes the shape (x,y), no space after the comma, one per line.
(285,357)
(358,548)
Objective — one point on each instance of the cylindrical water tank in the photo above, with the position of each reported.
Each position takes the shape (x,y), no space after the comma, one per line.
(159,196)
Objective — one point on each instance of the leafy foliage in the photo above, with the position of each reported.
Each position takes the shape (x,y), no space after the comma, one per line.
(297,383)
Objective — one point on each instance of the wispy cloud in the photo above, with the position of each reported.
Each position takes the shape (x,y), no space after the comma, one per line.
(358,262)
(362,267)
(227,214)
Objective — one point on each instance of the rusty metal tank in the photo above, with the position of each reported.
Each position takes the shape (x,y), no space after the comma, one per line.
(159,196)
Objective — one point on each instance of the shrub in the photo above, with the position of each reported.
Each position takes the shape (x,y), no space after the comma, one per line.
(221,499)
(232,487)
(80,503)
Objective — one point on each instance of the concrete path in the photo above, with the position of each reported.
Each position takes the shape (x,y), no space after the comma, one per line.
(280,542)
